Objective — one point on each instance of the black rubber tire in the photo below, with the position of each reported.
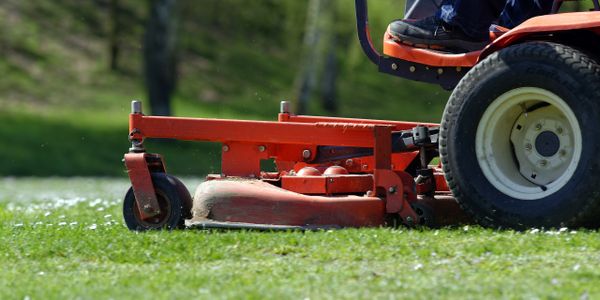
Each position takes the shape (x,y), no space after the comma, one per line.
(562,70)
(179,206)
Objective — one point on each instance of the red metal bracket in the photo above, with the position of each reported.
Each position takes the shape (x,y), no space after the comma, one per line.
(328,185)
(387,184)
(141,181)
(242,159)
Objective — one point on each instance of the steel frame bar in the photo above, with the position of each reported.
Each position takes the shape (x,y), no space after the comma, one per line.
(219,130)
(398,125)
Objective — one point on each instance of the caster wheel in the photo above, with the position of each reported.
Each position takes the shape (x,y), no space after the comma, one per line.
(519,138)
(173,198)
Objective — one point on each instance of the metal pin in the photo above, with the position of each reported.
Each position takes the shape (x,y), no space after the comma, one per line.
(136,107)
(394,66)
(262,148)
(412,69)
(225,148)
(284,107)
(137,146)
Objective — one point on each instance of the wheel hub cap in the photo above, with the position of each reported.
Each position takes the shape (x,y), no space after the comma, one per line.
(528,143)
(547,143)
(542,141)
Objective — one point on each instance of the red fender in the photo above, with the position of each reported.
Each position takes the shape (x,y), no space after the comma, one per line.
(588,21)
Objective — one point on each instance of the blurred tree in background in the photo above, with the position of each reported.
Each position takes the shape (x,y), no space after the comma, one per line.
(319,58)
(160,55)
(114,31)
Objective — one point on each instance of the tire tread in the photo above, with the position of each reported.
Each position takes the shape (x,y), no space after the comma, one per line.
(562,54)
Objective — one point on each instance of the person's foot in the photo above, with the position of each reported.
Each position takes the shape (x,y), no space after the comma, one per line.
(433,33)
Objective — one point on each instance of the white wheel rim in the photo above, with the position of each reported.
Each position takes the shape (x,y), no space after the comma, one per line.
(528,143)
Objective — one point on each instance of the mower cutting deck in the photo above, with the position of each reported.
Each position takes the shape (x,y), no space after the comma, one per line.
(518,146)
(332,172)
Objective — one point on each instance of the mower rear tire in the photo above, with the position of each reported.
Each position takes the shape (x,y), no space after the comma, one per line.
(174,200)
(520,138)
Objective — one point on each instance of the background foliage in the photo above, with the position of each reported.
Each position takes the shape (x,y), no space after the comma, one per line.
(64,112)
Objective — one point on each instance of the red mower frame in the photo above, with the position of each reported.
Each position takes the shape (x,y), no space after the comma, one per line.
(293,143)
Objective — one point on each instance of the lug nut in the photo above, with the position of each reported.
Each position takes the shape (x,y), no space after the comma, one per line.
(538,126)
(562,152)
(543,162)
(559,130)
(528,147)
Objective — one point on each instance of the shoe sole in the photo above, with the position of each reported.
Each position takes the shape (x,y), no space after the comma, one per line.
(439,45)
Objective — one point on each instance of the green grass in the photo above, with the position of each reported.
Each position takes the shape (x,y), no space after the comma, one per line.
(64,239)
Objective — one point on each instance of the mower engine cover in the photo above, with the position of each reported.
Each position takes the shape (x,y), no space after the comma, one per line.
(419,9)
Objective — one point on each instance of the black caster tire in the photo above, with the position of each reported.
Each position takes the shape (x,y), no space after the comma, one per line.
(425,214)
(174,200)
(520,138)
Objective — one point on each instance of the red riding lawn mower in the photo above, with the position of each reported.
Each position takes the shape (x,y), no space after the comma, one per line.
(518,145)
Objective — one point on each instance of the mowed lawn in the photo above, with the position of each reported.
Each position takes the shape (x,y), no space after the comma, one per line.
(65,239)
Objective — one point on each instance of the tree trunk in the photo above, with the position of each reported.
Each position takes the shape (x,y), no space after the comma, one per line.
(330,73)
(305,80)
(160,55)
(319,61)
(330,68)
(114,32)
